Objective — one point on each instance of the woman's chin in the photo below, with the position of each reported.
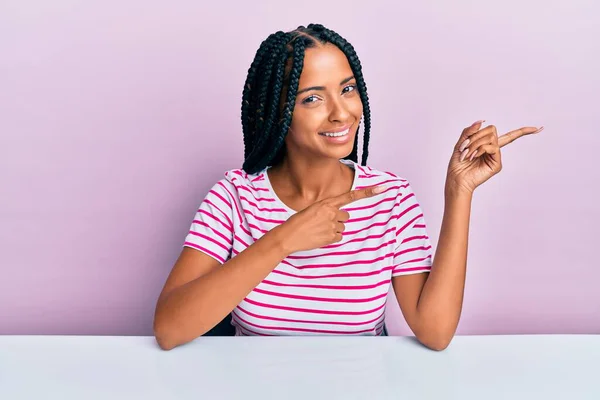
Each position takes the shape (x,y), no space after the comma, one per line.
(340,152)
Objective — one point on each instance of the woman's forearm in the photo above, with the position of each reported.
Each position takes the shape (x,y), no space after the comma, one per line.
(441,299)
(191,310)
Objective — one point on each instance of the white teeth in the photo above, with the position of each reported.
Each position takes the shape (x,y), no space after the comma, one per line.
(338,134)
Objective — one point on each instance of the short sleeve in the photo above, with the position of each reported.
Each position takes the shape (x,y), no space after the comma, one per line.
(211,231)
(413,253)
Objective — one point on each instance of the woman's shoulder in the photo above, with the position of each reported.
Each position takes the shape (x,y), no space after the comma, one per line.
(240,177)
(234,181)
(371,176)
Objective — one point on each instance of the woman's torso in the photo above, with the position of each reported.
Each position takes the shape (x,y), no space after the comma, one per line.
(341,288)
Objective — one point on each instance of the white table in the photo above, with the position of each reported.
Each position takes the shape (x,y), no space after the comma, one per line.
(473,367)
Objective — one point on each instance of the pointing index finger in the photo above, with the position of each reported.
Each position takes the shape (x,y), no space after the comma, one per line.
(517,133)
(355,195)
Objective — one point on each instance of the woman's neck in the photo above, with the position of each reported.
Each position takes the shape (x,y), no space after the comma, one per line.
(311,181)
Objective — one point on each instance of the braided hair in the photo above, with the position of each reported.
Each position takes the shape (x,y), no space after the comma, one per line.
(275,72)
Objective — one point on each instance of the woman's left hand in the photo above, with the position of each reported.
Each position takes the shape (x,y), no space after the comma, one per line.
(476,157)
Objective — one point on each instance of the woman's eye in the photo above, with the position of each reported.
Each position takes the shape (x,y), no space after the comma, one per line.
(351,87)
(309,100)
(314,99)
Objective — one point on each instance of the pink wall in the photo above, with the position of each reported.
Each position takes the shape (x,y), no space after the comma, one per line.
(116,118)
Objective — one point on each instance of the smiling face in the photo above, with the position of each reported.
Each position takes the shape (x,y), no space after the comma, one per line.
(328,106)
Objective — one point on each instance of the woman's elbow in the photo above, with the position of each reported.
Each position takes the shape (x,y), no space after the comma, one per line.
(163,334)
(163,344)
(439,345)
(164,341)
(437,342)
(170,334)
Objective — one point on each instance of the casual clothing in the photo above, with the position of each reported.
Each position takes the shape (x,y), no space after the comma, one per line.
(340,288)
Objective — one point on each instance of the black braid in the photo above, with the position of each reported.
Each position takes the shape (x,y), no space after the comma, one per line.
(263,125)
(268,90)
(285,121)
(278,86)
(249,94)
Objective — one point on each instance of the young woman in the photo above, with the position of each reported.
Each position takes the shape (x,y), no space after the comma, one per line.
(304,239)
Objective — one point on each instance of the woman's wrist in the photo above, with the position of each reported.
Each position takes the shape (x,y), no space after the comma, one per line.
(278,241)
(453,191)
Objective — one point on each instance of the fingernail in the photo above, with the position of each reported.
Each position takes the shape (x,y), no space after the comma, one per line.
(464,145)
(481,121)
(473,155)
(539,130)
(463,154)
(378,189)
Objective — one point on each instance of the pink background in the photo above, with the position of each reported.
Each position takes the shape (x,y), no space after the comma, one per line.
(116,117)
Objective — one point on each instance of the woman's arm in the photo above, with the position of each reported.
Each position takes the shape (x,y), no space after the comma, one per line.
(432,303)
(200,292)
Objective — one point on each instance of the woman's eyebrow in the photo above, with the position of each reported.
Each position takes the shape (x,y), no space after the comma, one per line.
(323,87)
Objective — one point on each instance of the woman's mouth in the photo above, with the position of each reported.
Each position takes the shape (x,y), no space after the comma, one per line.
(339,136)
(336,134)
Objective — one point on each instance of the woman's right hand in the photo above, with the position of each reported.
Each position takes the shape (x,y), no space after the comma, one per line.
(321,223)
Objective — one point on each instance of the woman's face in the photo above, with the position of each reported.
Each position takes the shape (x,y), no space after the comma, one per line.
(328,106)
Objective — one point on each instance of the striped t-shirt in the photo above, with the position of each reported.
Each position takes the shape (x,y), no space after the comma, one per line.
(336,289)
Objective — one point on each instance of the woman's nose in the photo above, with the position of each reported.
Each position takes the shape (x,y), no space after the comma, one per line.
(338,111)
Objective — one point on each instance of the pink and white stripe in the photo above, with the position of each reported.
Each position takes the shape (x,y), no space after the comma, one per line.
(341,288)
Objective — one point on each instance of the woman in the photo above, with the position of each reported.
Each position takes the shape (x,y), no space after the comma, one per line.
(304,239)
